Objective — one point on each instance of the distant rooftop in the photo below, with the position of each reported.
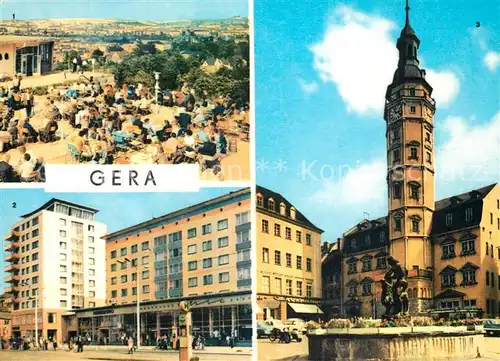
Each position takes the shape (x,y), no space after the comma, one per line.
(9,39)
(55,200)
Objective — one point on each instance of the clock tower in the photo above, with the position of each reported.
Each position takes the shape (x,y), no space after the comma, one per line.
(409,114)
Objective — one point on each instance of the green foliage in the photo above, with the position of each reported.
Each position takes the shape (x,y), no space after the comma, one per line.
(175,69)
(114,47)
(97,54)
(40,90)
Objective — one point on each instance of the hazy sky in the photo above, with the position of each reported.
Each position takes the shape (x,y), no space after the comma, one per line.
(123,9)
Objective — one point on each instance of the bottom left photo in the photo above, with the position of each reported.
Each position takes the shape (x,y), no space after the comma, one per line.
(167,275)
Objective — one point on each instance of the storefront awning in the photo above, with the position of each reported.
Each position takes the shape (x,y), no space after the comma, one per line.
(304,308)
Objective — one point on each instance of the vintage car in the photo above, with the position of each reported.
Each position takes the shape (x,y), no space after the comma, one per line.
(264,328)
(491,327)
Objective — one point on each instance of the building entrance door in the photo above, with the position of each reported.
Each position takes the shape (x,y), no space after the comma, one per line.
(29,65)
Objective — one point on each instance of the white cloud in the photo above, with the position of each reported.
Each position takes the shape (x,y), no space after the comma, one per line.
(359,55)
(308,88)
(470,153)
(492,60)
(363,185)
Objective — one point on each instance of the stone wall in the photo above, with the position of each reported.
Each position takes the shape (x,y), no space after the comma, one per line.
(396,347)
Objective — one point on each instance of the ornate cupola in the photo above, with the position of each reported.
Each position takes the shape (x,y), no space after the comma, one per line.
(408,64)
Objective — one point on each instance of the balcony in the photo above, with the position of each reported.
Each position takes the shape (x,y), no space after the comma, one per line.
(7,289)
(12,278)
(160,294)
(11,245)
(12,256)
(11,235)
(11,267)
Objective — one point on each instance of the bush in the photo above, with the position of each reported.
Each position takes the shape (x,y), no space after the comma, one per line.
(422,321)
(40,90)
(366,323)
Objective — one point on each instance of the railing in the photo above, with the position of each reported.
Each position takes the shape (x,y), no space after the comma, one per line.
(418,93)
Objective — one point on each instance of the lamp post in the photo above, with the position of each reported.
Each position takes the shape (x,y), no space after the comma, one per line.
(157,90)
(138,312)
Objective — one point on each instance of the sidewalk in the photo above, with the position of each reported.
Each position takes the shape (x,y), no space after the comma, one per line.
(212,350)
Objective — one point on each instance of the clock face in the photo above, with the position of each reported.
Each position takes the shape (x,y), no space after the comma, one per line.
(395,112)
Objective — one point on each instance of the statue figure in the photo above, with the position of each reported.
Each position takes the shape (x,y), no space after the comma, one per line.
(394,285)
(386,297)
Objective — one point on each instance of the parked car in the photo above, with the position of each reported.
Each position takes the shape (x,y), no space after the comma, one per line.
(491,327)
(264,328)
(296,324)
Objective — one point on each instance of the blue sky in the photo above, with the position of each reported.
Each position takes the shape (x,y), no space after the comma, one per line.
(123,9)
(117,210)
(322,68)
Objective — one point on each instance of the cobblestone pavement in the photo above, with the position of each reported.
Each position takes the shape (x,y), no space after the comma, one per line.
(121,355)
(294,351)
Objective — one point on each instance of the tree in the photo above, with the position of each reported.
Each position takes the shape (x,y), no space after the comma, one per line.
(97,54)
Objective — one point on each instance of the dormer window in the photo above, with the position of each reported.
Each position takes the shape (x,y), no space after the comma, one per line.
(292,213)
(260,200)
(353,243)
(282,209)
(367,239)
(468,215)
(270,204)
(412,92)
(449,219)
(412,109)
(382,237)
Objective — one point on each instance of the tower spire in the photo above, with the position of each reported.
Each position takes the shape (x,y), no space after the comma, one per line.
(407,9)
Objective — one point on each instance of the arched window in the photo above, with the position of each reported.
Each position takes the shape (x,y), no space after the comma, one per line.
(270,204)
(1,57)
(292,213)
(422,293)
(415,292)
(6,56)
(409,50)
(282,209)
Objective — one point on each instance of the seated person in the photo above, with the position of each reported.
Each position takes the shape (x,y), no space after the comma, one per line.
(221,142)
(164,133)
(161,157)
(201,135)
(189,141)
(30,131)
(100,156)
(48,134)
(171,144)
(22,151)
(91,134)
(79,142)
(148,129)
(26,169)
(7,173)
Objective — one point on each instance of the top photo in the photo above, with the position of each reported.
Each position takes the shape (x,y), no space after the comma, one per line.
(139,83)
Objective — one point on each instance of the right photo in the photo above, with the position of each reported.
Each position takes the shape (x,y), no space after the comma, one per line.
(377,170)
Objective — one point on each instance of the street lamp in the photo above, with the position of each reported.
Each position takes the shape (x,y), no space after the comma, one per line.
(157,90)
(26,283)
(138,312)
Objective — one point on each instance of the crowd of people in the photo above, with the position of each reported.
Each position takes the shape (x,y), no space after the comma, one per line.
(30,343)
(110,124)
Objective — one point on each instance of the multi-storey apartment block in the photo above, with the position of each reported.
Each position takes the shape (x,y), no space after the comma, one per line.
(55,263)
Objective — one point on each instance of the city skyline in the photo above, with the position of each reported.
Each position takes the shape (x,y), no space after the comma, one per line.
(322,143)
(167,10)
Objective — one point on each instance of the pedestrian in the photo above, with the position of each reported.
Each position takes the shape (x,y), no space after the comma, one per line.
(75,64)
(79,344)
(130,345)
(54,344)
(28,102)
(46,344)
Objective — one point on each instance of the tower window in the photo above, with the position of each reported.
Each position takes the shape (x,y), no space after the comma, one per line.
(415,226)
(396,135)
(427,137)
(396,156)
(397,224)
(429,157)
(412,92)
(414,191)
(397,190)
(412,110)
(413,153)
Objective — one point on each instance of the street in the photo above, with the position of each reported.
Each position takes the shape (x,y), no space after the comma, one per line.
(121,355)
(294,351)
